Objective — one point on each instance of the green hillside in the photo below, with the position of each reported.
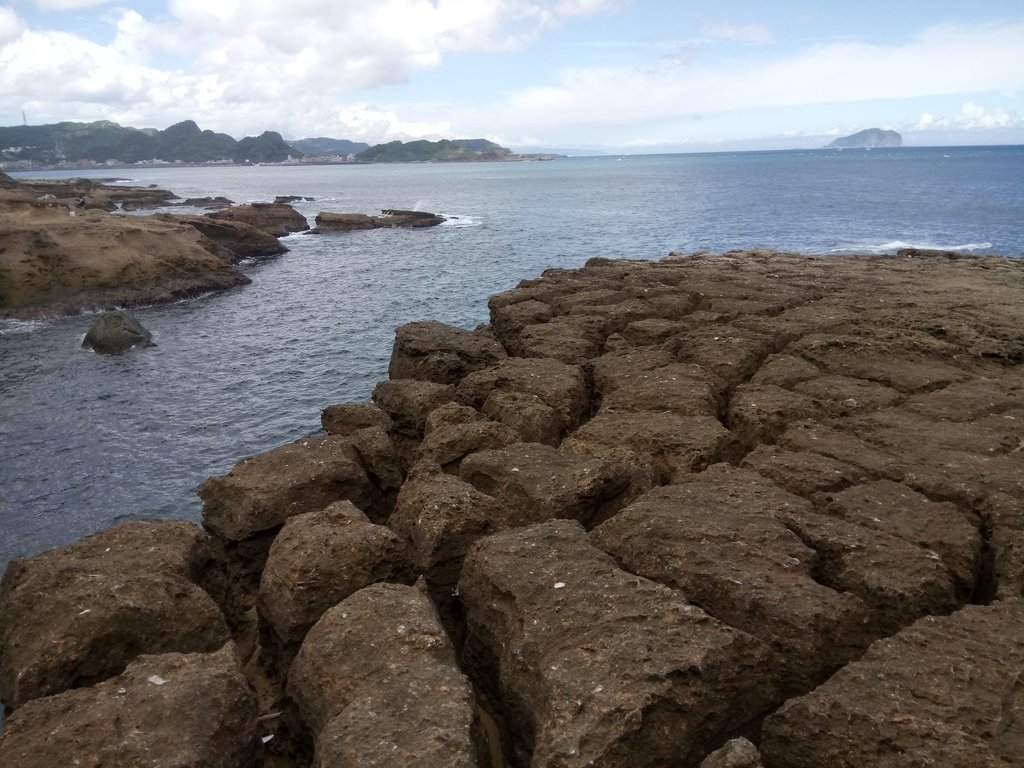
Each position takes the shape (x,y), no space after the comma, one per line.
(443,151)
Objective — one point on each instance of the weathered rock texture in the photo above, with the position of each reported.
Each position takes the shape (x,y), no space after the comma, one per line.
(376,683)
(659,508)
(79,614)
(275,219)
(164,711)
(57,260)
(348,222)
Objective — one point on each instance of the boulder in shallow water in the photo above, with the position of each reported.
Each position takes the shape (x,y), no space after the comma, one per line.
(115,332)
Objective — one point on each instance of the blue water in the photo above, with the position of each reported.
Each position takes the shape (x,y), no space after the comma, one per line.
(87,440)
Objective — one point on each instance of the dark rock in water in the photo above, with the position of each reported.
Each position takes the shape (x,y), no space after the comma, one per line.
(208,202)
(389,219)
(169,710)
(274,218)
(115,332)
(292,198)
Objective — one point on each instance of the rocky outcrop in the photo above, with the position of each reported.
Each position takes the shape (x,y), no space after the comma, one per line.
(389,219)
(235,240)
(114,332)
(719,510)
(56,262)
(275,219)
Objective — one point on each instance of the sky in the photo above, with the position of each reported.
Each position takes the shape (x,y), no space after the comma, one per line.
(582,75)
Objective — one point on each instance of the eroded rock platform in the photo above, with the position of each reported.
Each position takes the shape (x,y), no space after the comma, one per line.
(748,509)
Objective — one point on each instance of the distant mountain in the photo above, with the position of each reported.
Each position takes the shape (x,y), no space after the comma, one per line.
(445,150)
(872,137)
(324,146)
(104,141)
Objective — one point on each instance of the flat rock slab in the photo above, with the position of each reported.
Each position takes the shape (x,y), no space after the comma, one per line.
(945,691)
(261,492)
(718,540)
(376,683)
(560,386)
(591,665)
(539,482)
(80,613)
(677,445)
(164,711)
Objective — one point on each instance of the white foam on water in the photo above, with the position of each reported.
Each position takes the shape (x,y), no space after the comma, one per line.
(894,245)
(461,220)
(10,326)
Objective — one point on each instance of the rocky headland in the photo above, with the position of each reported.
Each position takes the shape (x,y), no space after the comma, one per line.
(66,246)
(744,509)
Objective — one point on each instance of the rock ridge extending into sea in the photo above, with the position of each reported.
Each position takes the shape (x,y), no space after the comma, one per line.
(741,509)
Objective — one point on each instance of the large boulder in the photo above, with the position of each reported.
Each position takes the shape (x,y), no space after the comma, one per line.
(163,711)
(80,613)
(261,492)
(316,561)
(588,664)
(433,351)
(539,482)
(114,332)
(376,683)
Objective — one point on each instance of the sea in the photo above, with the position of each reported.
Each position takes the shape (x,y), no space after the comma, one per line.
(88,441)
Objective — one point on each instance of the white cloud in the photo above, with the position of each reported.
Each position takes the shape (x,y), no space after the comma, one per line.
(843,72)
(364,122)
(745,33)
(68,5)
(10,25)
(973,116)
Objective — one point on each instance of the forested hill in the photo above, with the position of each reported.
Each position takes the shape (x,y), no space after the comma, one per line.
(104,141)
(445,150)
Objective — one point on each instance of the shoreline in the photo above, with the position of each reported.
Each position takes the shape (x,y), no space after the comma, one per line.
(773,487)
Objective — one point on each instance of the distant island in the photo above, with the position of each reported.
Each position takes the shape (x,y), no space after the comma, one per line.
(103,143)
(868,139)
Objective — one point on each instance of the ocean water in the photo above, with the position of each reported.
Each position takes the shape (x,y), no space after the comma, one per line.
(87,440)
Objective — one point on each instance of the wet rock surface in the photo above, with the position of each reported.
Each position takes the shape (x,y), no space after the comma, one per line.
(115,332)
(721,509)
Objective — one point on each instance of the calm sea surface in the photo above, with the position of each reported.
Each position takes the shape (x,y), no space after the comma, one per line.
(87,441)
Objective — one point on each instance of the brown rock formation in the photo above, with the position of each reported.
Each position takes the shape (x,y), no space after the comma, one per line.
(80,613)
(327,222)
(162,711)
(235,240)
(275,219)
(54,262)
(691,497)
(375,683)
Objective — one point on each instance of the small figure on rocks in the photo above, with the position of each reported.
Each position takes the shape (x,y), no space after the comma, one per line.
(115,332)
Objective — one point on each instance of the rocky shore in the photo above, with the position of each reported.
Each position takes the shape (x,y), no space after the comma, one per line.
(743,509)
(67,247)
